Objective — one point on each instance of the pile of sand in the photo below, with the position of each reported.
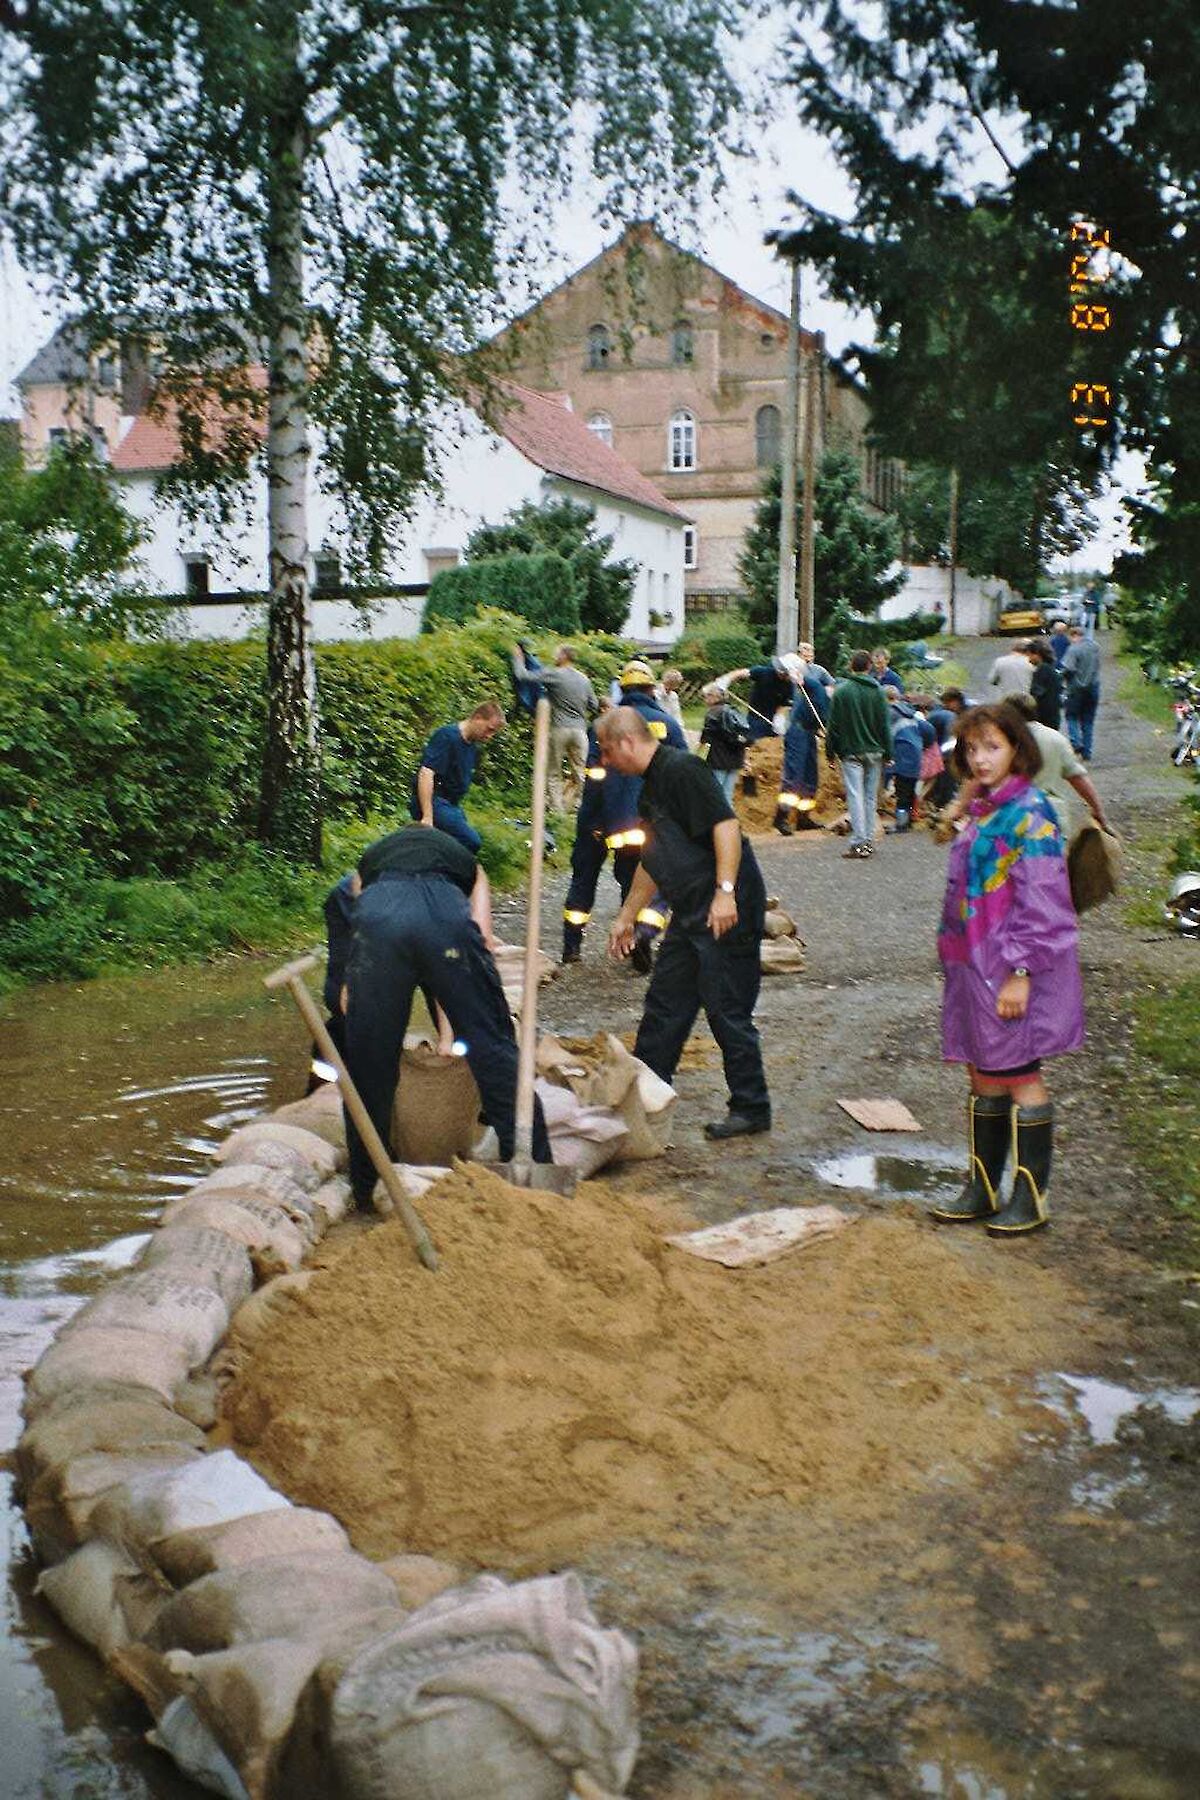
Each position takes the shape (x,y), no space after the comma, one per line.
(764,760)
(567,1380)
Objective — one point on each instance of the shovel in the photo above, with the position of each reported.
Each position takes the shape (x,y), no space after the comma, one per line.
(522,1171)
(291,976)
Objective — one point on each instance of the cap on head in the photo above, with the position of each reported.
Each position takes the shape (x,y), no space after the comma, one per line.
(637,675)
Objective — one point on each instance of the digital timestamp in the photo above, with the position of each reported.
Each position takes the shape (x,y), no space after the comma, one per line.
(1091,401)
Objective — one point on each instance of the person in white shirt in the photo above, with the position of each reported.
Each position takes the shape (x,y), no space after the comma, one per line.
(1012,673)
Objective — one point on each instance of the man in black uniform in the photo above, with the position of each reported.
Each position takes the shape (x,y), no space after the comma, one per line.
(423,920)
(696,856)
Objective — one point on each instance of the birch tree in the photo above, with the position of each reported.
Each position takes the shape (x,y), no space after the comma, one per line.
(337,191)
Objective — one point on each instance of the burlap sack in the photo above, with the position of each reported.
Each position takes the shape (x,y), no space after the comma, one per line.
(270,1185)
(103,1597)
(272,1239)
(209,1491)
(781,956)
(133,1424)
(248,1143)
(62,1503)
(263,1309)
(96,1355)
(162,1301)
(185,1556)
(604,1075)
(319,1112)
(488,1693)
(436,1113)
(278,1596)
(1093,865)
(209,1257)
(333,1198)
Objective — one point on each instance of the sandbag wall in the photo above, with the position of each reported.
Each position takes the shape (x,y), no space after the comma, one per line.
(274,1659)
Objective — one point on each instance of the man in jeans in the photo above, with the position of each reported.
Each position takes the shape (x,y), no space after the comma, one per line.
(1081,676)
(859,734)
(572,704)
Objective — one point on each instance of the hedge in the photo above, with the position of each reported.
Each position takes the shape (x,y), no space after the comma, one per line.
(540,588)
(142,760)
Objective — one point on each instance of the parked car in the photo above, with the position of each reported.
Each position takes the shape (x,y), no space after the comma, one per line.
(1020,619)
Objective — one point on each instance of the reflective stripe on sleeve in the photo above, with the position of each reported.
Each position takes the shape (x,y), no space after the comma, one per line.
(650,916)
(571,917)
(626,840)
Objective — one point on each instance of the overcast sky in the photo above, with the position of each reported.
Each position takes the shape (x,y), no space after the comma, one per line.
(729,234)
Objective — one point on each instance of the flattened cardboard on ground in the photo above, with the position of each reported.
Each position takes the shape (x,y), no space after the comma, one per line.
(763,1236)
(881,1115)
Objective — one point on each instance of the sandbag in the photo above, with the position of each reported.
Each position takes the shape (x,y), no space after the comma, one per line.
(198,1398)
(248,1140)
(333,1198)
(211,1258)
(263,1309)
(61,1503)
(436,1112)
(185,1556)
(271,1185)
(274,1242)
(161,1301)
(247,1698)
(419,1579)
(488,1693)
(136,1423)
(1093,866)
(319,1112)
(103,1597)
(279,1596)
(777,923)
(217,1487)
(108,1353)
(285,1158)
(602,1073)
(781,956)
(582,1138)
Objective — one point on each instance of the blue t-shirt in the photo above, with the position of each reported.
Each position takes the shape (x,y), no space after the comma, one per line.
(453,762)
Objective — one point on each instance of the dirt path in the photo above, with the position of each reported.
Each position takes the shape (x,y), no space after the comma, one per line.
(1028,1629)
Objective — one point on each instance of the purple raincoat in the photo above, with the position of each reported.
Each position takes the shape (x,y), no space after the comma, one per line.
(1008,905)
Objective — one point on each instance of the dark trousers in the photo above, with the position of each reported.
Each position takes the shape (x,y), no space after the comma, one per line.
(451,819)
(417,931)
(693,970)
(906,793)
(1081,718)
(587,860)
(801,772)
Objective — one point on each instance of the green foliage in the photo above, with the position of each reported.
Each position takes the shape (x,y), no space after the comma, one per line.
(1008,525)
(854,549)
(604,589)
(539,588)
(702,658)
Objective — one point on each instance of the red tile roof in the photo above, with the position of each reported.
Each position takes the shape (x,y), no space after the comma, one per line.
(152,442)
(543,428)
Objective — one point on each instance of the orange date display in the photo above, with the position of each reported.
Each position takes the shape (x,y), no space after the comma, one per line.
(1092,401)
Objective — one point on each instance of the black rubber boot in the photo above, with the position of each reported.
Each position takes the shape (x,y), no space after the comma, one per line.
(989,1129)
(783,820)
(1033,1140)
(572,948)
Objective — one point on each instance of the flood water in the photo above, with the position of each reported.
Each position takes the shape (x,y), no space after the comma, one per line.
(113,1096)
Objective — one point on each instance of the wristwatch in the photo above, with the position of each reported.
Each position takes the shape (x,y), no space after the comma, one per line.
(1023,972)
(726,887)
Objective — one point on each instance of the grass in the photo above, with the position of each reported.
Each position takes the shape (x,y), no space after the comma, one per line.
(1163,1119)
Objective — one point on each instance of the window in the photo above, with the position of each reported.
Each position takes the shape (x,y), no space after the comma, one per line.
(681,440)
(768,438)
(682,349)
(599,347)
(196,577)
(600,425)
(327,572)
(106,371)
(691,547)
(58,437)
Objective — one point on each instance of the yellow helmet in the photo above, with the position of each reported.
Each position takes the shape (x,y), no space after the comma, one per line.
(637,675)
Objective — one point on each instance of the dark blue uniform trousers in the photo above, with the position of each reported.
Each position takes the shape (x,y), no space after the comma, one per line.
(417,931)
(722,975)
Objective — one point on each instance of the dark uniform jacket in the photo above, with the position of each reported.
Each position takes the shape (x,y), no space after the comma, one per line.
(681,803)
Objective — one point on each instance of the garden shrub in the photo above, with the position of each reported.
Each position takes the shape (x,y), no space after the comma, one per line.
(541,589)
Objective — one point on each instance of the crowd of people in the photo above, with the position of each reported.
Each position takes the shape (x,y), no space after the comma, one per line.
(416,914)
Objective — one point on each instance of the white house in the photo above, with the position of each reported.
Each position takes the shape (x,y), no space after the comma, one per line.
(535,449)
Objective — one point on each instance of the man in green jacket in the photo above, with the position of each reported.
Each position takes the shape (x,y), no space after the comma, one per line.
(859,734)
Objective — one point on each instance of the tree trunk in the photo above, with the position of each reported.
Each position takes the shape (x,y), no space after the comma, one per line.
(290,803)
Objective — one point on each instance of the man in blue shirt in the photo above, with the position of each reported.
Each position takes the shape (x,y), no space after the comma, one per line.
(447,770)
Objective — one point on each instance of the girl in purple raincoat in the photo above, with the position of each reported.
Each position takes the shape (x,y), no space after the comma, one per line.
(1008,944)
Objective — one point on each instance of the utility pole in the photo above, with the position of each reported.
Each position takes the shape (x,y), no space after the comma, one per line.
(952,535)
(787,625)
(815,355)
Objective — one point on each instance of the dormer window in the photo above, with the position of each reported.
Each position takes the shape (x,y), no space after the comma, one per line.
(601,426)
(599,347)
(682,347)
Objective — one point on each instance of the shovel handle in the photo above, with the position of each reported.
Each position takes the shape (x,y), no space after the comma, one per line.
(527,1034)
(291,976)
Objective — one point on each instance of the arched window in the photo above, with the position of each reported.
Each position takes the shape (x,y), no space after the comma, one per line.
(681,440)
(768,437)
(600,425)
(599,347)
(682,349)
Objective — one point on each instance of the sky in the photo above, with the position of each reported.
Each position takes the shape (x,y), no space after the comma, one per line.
(729,233)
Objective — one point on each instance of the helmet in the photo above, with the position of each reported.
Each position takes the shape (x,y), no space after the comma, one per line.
(637,675)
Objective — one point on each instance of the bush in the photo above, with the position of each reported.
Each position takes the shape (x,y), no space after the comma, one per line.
(538,588)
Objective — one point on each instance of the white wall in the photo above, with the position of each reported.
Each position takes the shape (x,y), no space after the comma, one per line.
(484,477)
(978,601)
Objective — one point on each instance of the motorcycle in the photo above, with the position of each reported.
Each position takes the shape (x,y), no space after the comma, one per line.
(1185,750)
